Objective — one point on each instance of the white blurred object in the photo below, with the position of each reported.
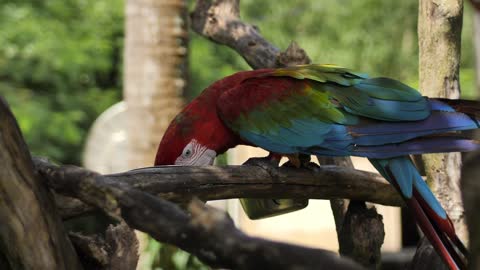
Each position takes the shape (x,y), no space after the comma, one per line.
(106,146)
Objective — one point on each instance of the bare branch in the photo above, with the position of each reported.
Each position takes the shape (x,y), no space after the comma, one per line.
(207,233)
(213,183)
(219,21)
(180,184)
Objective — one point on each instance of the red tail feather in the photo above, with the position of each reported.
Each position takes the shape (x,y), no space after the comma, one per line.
(440,232)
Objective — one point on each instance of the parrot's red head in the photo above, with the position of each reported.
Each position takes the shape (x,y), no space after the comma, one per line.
(182,145)
(197,135)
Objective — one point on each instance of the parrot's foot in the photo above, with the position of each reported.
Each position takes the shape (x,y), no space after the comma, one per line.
(293,161)
(300,161)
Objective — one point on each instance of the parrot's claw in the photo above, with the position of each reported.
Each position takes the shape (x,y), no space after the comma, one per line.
(299,161)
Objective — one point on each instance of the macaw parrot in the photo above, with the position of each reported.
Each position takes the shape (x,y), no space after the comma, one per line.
(326,110)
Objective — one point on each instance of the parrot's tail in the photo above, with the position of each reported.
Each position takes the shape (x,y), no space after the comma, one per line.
(442,131)
(430,215)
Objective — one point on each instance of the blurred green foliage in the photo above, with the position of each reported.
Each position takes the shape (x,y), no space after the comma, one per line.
(158,256)
(61,62)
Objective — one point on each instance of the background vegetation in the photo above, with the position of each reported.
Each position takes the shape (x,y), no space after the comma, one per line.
(61,60)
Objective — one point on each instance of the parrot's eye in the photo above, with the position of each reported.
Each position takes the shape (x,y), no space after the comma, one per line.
(187,152)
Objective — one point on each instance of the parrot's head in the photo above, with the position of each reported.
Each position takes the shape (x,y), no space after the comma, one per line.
(178,148)
(195,136)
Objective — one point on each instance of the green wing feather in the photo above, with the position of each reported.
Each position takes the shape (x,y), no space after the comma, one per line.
(314,105)
(377,98)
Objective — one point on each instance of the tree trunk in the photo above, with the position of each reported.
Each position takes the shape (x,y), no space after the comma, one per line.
(476,44)
(471,199)
(439,31)
(31,233)
(155,72)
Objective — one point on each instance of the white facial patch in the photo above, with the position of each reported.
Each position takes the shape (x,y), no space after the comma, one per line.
(195,154)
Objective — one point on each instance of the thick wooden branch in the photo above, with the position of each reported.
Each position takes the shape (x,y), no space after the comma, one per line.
(31,233)
(213,183)
(180,184)
(207,233)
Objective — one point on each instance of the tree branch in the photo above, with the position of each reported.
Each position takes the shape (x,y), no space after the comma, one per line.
(220,22)
(205,232)
(118,250)
(180,184)
(214,183)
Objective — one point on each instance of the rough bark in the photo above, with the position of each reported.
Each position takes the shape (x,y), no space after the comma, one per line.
(361,221)
(118,250)
(362,234)
(205,232)
(427,258)
(471,199)
(155,78)
(439,30)
(219,20)
(339,206)
(180,184)
(31,233)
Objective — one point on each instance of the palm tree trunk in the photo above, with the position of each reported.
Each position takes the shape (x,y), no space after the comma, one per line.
(155,72)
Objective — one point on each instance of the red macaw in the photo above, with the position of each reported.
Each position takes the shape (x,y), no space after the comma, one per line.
(326,110)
